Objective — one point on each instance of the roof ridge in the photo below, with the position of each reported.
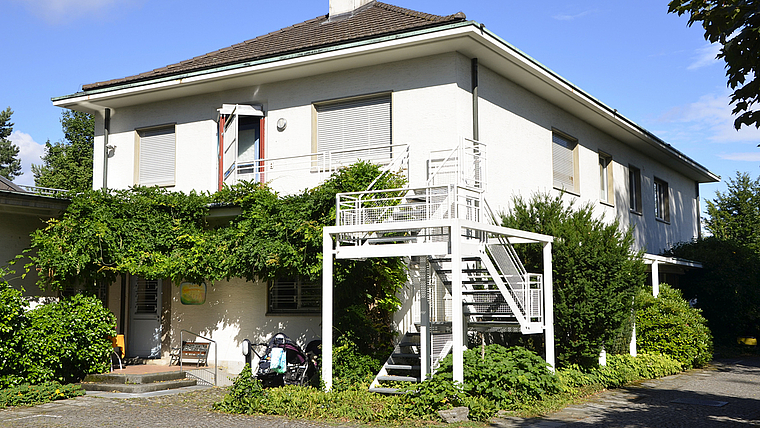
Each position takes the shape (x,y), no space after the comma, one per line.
(422,15)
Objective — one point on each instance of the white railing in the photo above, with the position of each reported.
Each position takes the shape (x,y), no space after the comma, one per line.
(43,191)
(319,164)
(205,374)
(404,205)
(464,166)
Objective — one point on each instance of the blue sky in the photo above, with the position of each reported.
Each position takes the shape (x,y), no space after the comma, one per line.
(633,56)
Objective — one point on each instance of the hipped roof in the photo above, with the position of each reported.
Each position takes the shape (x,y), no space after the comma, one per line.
(372,20)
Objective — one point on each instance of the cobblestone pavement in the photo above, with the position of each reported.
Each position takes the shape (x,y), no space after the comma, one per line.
(724,395)
(727,394)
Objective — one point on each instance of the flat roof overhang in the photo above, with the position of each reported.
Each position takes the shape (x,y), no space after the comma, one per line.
(468,38)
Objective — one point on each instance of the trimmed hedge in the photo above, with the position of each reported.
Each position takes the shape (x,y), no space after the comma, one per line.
(668,325)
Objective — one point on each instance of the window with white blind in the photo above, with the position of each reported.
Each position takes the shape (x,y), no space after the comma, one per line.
(294,295)
(156,156)
(348,129)
(564,162)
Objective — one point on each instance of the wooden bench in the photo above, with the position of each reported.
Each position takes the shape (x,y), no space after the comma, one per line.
(197,352)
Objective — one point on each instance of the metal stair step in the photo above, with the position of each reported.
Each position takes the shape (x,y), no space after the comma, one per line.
(387,391)
(406,367)
(404,355)
(398,378)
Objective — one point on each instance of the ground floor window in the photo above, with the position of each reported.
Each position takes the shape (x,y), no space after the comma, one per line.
(294,295)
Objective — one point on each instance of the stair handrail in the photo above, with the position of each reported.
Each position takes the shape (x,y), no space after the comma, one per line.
(397,161)
(442,164)
(182,341)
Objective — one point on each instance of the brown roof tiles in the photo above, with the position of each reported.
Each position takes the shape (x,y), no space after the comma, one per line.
(372,20)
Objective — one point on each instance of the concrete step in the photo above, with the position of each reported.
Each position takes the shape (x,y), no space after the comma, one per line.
(138,388)
(117,378)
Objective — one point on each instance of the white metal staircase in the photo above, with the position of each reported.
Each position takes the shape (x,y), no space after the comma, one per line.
(475,281)
(497,293)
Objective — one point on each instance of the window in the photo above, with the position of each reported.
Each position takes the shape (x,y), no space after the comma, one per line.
(156,153)
(293,294)
(661,200)
(349,128)
(564,162)
(634,188)
(605,178)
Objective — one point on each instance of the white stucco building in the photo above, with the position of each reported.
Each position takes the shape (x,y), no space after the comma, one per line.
(289,106)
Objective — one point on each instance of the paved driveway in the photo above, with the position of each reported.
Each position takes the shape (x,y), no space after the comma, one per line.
(727,394)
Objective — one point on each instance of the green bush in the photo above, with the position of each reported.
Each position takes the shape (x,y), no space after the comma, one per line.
(668,325)
(620,370)
(506,376)
(246,396)
(595,273)
(67,340)
(12,321)
(32,395)
(56,342)
(352,368)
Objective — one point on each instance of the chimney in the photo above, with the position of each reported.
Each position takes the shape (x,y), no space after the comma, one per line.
(342,7)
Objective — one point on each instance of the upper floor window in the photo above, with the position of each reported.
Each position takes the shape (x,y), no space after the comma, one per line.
(349,128)
(564,162)
(634,188)
(156,156)
(294,295)
(605,178)
(661,200)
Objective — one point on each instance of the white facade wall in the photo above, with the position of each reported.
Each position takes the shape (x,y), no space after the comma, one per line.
(431,109)
(236,310)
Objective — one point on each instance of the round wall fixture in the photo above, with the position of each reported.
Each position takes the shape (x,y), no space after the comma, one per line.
(281,124)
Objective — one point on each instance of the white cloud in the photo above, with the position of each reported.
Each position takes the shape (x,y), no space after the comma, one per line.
(747,156)
(567,17)
(705,56)
(710,118)
(62,11)
(29,152)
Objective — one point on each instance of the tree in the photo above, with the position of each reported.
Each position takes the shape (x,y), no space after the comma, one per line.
(10,164)
(596,274)
(735,24)
(67,164)
(726,288)
(735,214)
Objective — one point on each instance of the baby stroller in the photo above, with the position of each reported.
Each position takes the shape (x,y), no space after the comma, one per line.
(284,363)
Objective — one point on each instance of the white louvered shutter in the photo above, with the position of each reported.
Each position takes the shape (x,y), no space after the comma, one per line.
(157,157)
(562,162)
(358,124)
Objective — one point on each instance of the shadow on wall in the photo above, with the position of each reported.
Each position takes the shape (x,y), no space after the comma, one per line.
(236,310)
(651,234)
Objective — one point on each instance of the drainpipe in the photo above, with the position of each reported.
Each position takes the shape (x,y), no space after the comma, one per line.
(106,130)
(475,129)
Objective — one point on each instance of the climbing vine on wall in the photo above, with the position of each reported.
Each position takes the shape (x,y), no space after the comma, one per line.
(156,233)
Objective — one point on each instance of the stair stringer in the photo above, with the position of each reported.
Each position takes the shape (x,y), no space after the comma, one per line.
(526,327)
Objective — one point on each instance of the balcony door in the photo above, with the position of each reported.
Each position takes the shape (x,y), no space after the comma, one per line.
(242,143)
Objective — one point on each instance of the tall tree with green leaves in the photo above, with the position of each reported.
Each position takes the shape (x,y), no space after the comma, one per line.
(596,274)
(734,215)
(10,164)
(67,164)
(735,24)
